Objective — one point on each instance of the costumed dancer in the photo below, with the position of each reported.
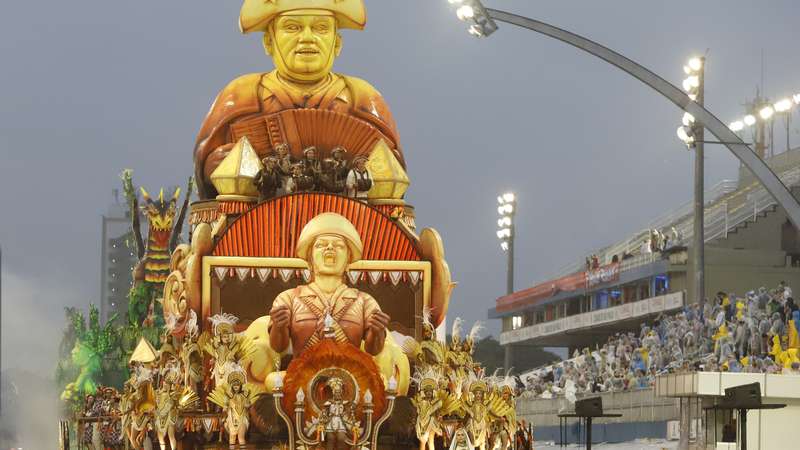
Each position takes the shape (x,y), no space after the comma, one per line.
(235,397)
(428,405)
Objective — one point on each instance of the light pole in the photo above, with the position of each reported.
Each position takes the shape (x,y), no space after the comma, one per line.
(692,134)
(483,23)
(507,210)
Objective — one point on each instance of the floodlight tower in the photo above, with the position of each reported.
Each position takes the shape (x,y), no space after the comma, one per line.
(692,134)
(507,209)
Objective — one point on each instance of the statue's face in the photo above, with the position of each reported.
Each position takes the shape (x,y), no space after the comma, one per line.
(303,47)
(329,255)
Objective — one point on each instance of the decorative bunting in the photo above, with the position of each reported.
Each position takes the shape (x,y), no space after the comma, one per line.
(242,272)
(306,275)
(286,274)
(221,271)
(395,276)
(263,274)
(375,276)
(208,424)
(353,276)
(414,277)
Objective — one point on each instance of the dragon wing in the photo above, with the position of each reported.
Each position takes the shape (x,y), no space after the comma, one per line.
(188,399)
(219,396)
(245,348)
(451,405)
(178,227)
(499,408)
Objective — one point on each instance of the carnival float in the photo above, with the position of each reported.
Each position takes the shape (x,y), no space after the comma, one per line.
(307,310)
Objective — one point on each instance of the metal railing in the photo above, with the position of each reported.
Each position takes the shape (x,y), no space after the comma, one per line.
(727,208)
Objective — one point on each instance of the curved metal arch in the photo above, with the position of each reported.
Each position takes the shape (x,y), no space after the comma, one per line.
(759,168)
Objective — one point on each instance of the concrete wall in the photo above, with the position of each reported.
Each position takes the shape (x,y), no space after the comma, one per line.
(635,406)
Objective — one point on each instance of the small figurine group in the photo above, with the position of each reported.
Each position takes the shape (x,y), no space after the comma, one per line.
(281,174)
(452,389)
(164,384)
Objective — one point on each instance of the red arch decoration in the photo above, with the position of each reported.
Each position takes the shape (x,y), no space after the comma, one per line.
(271,229)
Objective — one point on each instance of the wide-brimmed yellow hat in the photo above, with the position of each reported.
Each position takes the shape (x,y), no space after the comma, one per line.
(330,223)
(257,14)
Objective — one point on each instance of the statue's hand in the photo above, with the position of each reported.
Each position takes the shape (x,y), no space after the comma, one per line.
(280,317)
(378,322)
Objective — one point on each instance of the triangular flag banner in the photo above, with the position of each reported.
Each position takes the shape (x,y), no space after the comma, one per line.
(414,277)
(263,274)
(395,276)
(306,275)
(354,276)
(286,274)
(375,276)
(221,271)
(242,272)
(208,424)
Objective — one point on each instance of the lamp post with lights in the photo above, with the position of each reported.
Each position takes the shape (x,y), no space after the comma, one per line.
(483,22)
(692,134)
(507,210)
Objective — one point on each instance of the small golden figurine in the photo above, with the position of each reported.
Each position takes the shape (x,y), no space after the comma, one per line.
(225,346)
(476,406)
(141,406)
(235,397)
(166,413)
(337,418)
(428,405)
(503,416)
(191,355)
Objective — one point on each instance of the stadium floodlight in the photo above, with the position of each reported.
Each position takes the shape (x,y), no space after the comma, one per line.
(691,82)
(688,119)
(796,98)
(736,126)
(473,11)
(749,120)
(695,64)
(783,105)
(686,134)
(465,12)
(505,223)
(766,112)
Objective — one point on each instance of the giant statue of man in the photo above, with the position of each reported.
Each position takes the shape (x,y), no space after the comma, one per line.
(302,37)
(329,242)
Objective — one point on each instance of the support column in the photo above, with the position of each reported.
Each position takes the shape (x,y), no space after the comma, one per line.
(508,360)
(683,442)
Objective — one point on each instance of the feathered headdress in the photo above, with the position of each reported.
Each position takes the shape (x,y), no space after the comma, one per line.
(426,379)
(474,333)
(223,322)
(191,324)
(456,335)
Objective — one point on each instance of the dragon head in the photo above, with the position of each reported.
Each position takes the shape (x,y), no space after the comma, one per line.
(160,212)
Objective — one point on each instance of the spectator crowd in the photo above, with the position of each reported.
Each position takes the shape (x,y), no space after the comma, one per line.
(757,333)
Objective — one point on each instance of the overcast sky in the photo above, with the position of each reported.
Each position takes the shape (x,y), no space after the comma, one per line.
(90,87)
